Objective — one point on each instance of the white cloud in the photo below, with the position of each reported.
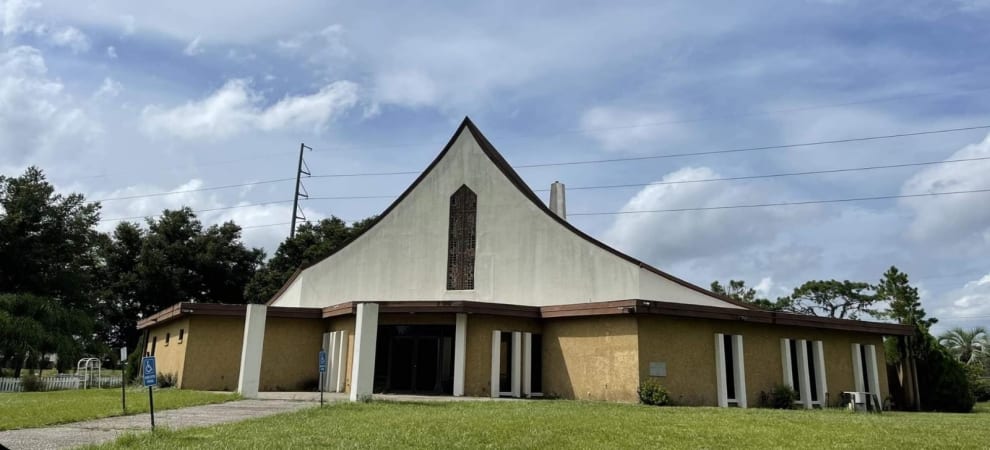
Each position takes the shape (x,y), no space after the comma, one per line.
(631,130)
(110,88)
(36,115)
(406,88)
(128,24)
(668,237)
(970,303)
(236,107)
(12,14)
(71,38)
(111,52)
(194,48)
(952,217)
(320,47)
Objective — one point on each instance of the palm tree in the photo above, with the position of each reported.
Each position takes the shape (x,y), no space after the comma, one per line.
(966,345)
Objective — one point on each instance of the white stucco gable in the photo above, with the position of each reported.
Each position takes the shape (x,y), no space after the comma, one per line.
(525,255)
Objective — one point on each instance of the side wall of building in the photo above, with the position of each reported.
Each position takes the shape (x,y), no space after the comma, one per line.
(345,323)
(591,358)
(213,358)
(289,355)
(170,356)
(687,346)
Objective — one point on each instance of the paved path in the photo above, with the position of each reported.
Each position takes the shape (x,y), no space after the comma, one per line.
(101,430)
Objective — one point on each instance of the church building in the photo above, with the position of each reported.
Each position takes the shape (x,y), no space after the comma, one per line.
(470,285)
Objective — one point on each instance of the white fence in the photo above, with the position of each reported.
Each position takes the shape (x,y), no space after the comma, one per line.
(11,384)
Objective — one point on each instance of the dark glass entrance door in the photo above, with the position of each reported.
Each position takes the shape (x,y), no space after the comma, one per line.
(414,359)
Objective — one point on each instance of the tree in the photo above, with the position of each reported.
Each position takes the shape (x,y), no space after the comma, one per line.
(903,300)
(738,291)
(968,346)
(120,296)
(312,243)
(832,298)
(48,268)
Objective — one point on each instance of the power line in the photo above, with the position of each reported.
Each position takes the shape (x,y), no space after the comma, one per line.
(186,191)
(764,205)
(699,153)
(223,208)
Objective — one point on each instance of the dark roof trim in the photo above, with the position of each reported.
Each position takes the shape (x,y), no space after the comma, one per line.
(517,181)
(180,310)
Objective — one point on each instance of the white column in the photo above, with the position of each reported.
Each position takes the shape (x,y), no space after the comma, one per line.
(857,369)
(785,360)
(365,340)
(740,372)
(460,353)
(516,375)
(819,355)
(721,389)
(254,340)
(330,378)
(872,373)
(527,364)
(804,380)
(496,356)
(341,377)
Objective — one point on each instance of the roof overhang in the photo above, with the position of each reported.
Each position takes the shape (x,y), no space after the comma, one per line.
(618,307)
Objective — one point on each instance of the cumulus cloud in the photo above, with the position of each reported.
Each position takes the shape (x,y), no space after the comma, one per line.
(13,13)
(406,88)
(36,115)
(619,129)
(678,236)
(109,89)
(320,47)
(236,107)
(953,217)
(968,304)
(194,48)
(111,52)
(71,38)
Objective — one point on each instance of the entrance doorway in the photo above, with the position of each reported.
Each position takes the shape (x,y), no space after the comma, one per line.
(415,359)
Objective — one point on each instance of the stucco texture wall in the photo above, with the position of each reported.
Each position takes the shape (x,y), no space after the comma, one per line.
(289,355)
(478,360)
(213,356)
(591,358)
(170,359)
(687,346)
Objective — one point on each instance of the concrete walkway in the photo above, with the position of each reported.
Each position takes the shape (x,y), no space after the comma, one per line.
(102,430)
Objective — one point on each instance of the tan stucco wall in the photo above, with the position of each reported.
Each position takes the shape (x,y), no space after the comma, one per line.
(171,358)
(346,324)
(289,355)
(688,348)
(213,358)
(592,358)
(478,363)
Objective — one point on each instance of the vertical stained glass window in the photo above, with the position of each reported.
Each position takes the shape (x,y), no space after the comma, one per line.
(461,239)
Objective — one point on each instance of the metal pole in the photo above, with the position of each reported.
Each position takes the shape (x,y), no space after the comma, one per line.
(295,198)
(123,392)
(321,388)
(151,402)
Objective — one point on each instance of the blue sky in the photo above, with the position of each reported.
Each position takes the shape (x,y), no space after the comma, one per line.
(117,98)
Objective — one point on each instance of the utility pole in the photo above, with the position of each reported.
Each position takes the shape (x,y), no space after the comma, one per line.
(295,199)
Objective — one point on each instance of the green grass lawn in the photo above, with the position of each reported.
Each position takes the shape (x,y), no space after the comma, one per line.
(572,424)
(38,409)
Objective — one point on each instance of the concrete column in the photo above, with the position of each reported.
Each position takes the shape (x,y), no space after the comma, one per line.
(804,380)
(740,365)
(819,356)
(496,356)
(558,203)
(785,359)
(722,392)
(516,375)
(341,376)
(872,372)
(254,340)
(330,378)
(460,353)
(857,369)
(365,341)
(527,364)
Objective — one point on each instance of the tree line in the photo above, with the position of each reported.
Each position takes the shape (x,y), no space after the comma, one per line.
(953,368)
(69,290)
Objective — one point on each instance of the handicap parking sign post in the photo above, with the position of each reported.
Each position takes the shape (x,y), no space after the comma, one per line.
(150,375)
(323,370)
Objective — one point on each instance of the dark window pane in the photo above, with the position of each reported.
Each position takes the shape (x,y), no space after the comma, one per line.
(461,239)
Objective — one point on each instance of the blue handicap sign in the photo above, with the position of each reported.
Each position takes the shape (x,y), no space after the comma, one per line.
(148,371)
(323,361)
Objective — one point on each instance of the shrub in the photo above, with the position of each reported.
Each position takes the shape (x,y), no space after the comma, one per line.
(652,393)
(782,396)
(981,390)
(166,380)
(30,382)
